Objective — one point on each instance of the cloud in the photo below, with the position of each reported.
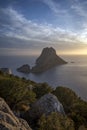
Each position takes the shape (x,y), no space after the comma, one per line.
(80,7)
(17,26)
(19,32)
(55,7)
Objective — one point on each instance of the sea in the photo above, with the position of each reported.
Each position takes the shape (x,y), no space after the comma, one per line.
(72,75)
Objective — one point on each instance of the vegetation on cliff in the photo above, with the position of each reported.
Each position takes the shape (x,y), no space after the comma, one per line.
(20,93)
(55,121)
(73,105)
(16,90)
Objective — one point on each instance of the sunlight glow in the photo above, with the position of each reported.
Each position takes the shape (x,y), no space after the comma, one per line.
(74,52)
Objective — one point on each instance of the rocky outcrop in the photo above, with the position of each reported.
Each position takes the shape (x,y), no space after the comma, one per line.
(24,69)
(47,60)
(45,105)
(8,121)
(6,70)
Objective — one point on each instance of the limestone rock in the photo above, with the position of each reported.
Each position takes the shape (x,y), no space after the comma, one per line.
(24,68)
(46,105)
(8,121)
(48,59)
(6,70)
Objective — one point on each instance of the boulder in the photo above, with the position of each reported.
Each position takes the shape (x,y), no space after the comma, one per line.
(24,69)
(48,59)
(8,121)
(45,105)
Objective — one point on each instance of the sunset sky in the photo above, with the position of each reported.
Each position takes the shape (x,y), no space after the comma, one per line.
(27,26)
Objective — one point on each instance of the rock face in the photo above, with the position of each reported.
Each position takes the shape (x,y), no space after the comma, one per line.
(8,121)
(47,60)
(24,69)
(46,105)
(6,70)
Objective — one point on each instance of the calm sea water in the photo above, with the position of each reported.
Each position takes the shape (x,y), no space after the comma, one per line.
(72,75)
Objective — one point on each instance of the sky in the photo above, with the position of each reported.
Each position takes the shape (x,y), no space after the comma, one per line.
(27,26)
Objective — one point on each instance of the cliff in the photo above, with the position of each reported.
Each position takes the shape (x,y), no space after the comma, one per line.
(41,106)
(47,60)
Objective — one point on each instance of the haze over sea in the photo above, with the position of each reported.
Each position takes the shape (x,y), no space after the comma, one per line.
(72,75)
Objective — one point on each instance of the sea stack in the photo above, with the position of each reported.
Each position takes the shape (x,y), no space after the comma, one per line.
(47,60)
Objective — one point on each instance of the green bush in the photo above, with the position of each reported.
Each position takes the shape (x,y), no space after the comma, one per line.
(79,113)
(66,96)
(42,89)
(74,107)
(55,121)
(14,90)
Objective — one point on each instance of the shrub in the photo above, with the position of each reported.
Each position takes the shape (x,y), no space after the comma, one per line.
(41,89)
(55,121)
(14,91)
(66,96)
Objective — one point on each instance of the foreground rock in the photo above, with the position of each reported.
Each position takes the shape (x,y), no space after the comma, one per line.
(45,105)
(24,69)
(6,70)
(8,121)
(47,60)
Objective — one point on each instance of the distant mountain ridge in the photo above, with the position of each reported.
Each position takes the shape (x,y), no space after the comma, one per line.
(47,60)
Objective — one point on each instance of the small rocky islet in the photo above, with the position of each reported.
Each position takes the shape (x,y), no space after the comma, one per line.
(24,69)
(47,60)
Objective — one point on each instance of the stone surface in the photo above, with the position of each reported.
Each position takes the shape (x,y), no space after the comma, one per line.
(48,59)
(46,105)
(8,121)
(24,69)
(6,70)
